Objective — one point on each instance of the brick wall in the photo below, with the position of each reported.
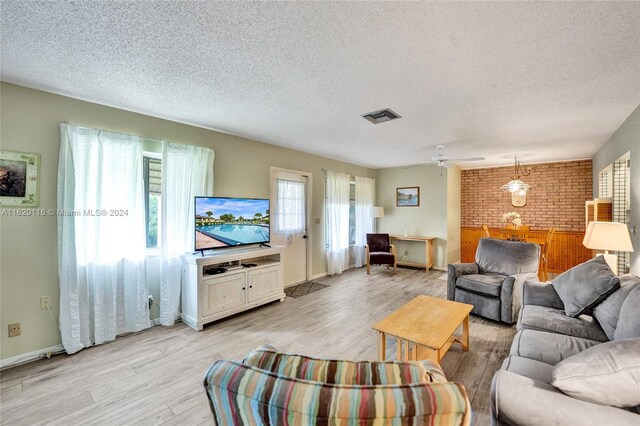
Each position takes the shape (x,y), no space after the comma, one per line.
(556,199)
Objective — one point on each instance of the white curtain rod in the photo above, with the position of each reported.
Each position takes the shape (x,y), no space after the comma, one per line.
(113,131)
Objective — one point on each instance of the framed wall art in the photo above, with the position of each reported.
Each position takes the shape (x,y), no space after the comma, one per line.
(19,180)
(408,196)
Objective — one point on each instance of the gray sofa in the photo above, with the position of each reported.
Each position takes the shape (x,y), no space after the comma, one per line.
(493,284)
(522,392)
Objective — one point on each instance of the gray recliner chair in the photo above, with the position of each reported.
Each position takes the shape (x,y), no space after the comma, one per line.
(493,284)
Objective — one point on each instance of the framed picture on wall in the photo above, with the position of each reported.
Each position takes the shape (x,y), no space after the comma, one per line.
(19,179)
(408,196)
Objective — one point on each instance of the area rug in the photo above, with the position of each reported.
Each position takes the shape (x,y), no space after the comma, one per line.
(304,288)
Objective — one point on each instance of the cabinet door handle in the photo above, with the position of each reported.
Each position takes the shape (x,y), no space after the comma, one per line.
(243,288)
(250,286)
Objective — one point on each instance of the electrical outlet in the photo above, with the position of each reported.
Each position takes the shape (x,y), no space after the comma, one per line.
(14,329)
(45,302)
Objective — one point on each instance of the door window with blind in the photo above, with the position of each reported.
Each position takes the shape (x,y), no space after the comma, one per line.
(290,214)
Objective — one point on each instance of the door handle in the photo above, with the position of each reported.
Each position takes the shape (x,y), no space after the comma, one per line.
(304,237)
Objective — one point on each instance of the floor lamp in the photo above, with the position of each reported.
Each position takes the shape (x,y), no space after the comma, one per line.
(607,236)
(376,212)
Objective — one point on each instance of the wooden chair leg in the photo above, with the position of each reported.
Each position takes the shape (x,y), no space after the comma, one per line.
(368,268)
(545,270)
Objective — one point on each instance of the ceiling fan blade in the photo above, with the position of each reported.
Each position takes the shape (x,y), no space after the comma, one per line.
(468,159)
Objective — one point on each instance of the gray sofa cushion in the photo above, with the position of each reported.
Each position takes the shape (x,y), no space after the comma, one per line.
(519,400)
(584,286)
(507,257)
(555,321)
(608,311)
(488,283)
(550,348)
(541,294)
(607,374)
(629,320)
(530,368)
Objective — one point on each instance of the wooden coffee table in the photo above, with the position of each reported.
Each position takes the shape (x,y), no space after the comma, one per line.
(425,328)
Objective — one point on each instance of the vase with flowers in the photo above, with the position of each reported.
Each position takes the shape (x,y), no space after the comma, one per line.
(514,218)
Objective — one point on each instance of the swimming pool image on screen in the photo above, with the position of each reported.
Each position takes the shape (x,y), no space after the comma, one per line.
(227,222)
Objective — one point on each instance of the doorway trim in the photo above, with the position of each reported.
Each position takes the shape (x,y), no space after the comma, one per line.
(309,201)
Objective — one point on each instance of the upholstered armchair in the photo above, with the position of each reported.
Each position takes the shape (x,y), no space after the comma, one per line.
(380,251)
(493,284)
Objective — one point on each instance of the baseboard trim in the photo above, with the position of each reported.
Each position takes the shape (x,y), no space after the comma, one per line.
(30,356)
(318,276)
(440,268)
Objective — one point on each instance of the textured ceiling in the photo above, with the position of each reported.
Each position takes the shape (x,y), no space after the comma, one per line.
(547,80)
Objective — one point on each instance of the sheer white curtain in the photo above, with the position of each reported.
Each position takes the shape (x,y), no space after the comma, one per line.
(290,217)
(365,197)
(101,237)
(187,171)
(337,211)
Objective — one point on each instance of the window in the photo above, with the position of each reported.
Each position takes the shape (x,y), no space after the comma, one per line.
(352,213)
(153,197)
(290,217)
(605,182)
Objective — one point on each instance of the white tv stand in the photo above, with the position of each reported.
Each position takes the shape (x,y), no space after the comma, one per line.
(207,298)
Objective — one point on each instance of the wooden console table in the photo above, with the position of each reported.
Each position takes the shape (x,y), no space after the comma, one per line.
(428,241)
(207,298)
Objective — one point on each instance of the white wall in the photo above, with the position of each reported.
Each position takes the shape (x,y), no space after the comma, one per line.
(454,182)
(429,219)
(29,122)
(625,139)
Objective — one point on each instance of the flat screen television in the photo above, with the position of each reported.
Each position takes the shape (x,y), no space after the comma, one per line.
(230,222)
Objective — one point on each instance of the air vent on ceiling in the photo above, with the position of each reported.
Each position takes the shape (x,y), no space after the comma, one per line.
(381,116)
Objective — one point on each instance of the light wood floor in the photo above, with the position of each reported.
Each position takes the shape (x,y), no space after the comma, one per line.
(155,377)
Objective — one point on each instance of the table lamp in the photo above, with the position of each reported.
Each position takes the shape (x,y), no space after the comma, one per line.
(607,236)
(377,212)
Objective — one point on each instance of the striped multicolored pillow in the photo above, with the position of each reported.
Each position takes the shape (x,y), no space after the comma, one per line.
(242,394)
(344,372)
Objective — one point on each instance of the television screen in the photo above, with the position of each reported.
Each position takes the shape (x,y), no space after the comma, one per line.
(230,222)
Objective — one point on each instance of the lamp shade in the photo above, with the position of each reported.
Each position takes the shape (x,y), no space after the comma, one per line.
(377,211)
(515,185)
(607,236)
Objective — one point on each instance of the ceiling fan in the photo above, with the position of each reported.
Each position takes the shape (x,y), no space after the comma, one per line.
(442,160)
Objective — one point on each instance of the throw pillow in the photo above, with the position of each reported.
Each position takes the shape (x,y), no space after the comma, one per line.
(607,374)
(608,312)
(629,320)
(584,286)
(344,372)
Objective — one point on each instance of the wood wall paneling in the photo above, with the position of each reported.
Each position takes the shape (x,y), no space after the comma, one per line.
(566,250)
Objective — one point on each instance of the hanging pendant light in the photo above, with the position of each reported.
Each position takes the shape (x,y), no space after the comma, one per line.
(515,184)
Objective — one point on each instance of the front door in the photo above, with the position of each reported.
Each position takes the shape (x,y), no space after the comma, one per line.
(289,221)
